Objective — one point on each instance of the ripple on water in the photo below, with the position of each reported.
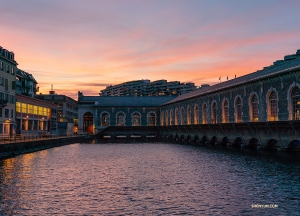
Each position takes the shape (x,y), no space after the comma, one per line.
(148,179)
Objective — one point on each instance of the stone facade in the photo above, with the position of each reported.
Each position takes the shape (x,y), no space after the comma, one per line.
(270,94)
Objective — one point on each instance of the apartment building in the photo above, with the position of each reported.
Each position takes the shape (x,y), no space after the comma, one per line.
(8,68)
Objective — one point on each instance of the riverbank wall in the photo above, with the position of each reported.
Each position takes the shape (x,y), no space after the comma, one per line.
(26,146)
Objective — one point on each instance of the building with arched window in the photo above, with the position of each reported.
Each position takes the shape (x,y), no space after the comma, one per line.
(270,94)
(225,111)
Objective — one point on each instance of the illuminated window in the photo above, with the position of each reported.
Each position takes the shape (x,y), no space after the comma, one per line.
(171,117)
(162,118)
(238,109)
(176,116)
(296,103)
(204,113)
(167,118)
(30,108)
(254,108)
(24,108)
(214,113)
(35,110)
(272,107)
(18,107)
(196,114)
(182,116)
(189,115)
(225,111)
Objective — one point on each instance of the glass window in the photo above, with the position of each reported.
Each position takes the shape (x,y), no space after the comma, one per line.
(254,108)
(136,119)
(171,117)
(273,114)
(176,116)
(204,114)
(151,119)
(296,103)
(167,118)
(162,118)
(120,119)
(238,109)
(182,116)
(214,113)
(225,112)
(6,113)
(196,114)
(189,115)
(35,110)
(104,119)
(24,108)
(18,107)
(1,114)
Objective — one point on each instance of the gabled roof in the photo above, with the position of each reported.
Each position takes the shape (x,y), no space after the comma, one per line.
(130,101)
(272,70)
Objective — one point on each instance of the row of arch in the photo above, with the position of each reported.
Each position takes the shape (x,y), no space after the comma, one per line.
(166,117)
(121,119)
(236,142)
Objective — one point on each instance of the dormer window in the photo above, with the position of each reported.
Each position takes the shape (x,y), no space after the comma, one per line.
(12,56)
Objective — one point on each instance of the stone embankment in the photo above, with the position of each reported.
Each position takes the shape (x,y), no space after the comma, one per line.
(12,147)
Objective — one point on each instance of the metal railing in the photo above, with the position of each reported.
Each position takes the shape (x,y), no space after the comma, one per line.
(5,139)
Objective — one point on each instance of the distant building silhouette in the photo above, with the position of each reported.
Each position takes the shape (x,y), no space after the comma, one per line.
(147,88)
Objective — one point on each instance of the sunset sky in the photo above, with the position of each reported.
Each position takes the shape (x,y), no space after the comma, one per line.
(86,45)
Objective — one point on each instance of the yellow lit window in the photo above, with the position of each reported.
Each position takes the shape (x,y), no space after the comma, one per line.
(18,107)
(35,110)
(24,108)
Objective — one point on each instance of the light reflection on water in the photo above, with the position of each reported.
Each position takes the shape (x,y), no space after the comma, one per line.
(146,179)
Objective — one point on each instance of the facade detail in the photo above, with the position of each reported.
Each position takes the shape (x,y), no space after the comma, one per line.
(8,68)
(67,112)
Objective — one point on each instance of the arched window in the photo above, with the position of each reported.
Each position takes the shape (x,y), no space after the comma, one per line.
(162,118)
(254,108)
(296,103)
(189,115)
(176,116)
(196,114)
(225,112)
(214,113)
(151,119)
(136,119)
(273,107)
(105,119)
(238,109)
(88,122)
(204,113)
(182,116)
(120,119)
(171,117)
(167,117)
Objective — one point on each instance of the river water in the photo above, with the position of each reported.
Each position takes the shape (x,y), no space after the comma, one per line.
(147,179)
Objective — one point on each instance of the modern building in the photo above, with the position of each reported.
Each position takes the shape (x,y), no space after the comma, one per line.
(147,88)
(34,117)
(67,111)
(270,94)
(8,68)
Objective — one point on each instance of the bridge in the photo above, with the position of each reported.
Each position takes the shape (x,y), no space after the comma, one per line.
(276,135)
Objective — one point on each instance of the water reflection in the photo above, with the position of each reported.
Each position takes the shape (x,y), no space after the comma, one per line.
(146,179)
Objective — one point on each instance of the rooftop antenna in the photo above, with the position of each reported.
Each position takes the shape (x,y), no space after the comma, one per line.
(51,92)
